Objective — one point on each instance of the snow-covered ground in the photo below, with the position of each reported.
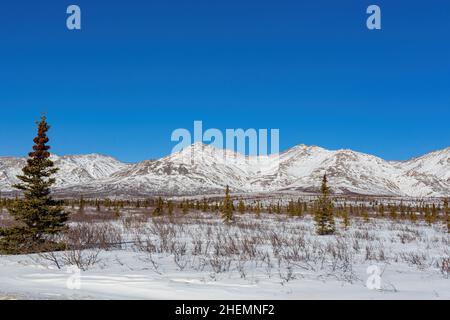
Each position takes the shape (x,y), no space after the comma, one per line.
(270,257)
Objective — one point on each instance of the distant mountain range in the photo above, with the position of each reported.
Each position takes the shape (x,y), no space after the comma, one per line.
(202,169)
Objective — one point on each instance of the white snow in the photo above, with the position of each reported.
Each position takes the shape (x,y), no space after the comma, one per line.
(202,169)
(331,267)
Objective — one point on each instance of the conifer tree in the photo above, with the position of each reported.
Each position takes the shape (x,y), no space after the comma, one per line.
(116,212)
(81,205)
(291,210)
(258,209)
(37,215)
(324,211)
(402,210)
(427,215)
(365,215)
(434,213)
(299,208)
(345,219)
(185,207)
(227,207)
(393,212)
(205,206)
(278,208)
(412,215)
(159,209)
(170,207)
(447,214)
(241,207)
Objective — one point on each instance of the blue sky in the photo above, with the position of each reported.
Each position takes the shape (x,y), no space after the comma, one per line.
(140,69)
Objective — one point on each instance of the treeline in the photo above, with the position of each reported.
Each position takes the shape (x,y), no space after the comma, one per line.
(430,213)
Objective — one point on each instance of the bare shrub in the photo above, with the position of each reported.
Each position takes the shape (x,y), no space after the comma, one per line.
(417,259)
(444,266)
(83,245)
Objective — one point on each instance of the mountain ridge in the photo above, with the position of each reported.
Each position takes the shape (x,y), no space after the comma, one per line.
(204,169)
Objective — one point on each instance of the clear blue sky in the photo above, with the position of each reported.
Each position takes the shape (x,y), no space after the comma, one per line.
(139,69)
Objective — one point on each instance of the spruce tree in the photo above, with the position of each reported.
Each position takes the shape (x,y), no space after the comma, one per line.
(393,212)
(81,205)
(345,219)
(258,209)
(291,208)
(205,206)
(159,209)
(447,214)
(324,211)
(227,207)
(427,215)
(241,207)
(185,207)
(170,207)
(37,215)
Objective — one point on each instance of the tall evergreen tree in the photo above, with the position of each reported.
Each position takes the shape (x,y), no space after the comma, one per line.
(227,207)
(324,211)
(37,215)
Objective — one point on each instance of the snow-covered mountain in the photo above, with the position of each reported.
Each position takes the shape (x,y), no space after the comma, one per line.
(73,170)
(203,169)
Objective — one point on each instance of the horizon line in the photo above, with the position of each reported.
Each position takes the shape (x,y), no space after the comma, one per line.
(236,152)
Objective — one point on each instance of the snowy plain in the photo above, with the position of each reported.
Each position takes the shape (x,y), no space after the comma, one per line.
(196,256)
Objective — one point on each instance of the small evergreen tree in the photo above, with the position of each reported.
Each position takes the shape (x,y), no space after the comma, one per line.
(81,205)
(345,219)
(170,207)
(185,207)
(227,207)
(159,209)
(241,207)
(427,215)
(324,211)
(258,209)
(365,215)
(434,213)
(291,210)
(393,212)
(447,214)
(37,215)
(205,206)
(116,212)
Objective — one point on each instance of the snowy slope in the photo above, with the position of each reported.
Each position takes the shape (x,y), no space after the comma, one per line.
(436,164)
(202,169)
(73,170)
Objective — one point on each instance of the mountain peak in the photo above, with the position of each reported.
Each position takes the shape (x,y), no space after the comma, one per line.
(202,168)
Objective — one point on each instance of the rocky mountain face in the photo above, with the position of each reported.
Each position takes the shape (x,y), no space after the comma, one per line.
(202,169)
